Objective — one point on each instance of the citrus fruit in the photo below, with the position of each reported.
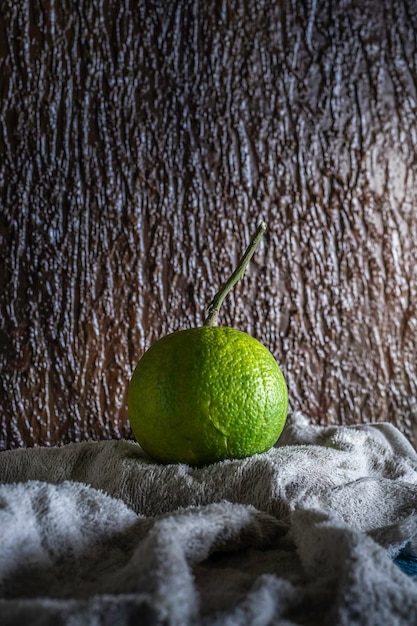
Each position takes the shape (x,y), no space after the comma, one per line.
(209,393)
(206,394)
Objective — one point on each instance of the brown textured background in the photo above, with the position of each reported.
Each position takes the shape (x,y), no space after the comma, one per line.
(140,144)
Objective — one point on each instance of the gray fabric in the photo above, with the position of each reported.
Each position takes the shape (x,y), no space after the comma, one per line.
(96,533)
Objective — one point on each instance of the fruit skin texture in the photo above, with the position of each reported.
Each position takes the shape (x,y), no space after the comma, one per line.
(206,394)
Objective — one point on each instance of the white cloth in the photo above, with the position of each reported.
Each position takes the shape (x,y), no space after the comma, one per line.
(95,533)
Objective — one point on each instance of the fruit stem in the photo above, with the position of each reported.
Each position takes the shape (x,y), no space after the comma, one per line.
(213,309)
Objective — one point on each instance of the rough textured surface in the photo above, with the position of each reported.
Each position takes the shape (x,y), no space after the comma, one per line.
(139,145)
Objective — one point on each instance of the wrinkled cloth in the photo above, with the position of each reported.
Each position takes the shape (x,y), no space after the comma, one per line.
(96,533)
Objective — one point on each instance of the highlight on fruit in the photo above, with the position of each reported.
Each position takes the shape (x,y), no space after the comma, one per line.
(210,393)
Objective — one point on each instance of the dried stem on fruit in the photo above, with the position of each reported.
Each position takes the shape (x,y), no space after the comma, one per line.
(213,309)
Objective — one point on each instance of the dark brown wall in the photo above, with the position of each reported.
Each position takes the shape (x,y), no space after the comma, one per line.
(140,144)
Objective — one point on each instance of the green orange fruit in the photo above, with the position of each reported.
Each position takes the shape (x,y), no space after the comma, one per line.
(206,394)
